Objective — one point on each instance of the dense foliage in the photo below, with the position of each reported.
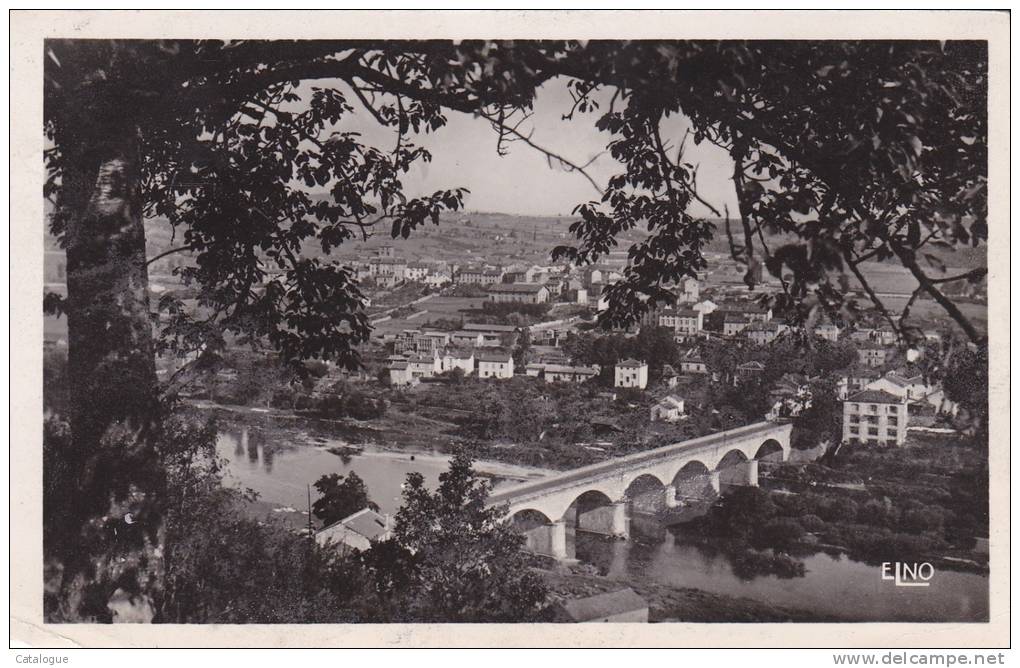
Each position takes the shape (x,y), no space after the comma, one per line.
(857,149)
(340,496)
(451,558)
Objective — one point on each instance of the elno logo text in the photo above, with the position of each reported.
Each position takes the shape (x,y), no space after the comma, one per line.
(905,574)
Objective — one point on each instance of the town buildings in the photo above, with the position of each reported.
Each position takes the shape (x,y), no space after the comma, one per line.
(764,333)
(872,354)
(562,373)
(519,293)
(669,409)
(493,335)
(875,416)
(687,290)
(458,358)
(478,276)
(904,384)
(751,369)
(683,321)
(828,331)
(734,323)
(854,380)
(631,373)
(691,363)
(421,342)
(468,338)
(495,364)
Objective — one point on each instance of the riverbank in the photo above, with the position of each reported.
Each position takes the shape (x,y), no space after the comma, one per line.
(284,429)
(668,603)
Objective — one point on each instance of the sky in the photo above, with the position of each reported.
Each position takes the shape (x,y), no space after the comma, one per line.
(464,155)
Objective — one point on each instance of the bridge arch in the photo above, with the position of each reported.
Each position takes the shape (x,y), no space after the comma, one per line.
(732,458)
(641,484)
(711,457)
(771,451)
(595,511)
(737,468)
(693,483)
(691,469)
(541,535)
(529,518)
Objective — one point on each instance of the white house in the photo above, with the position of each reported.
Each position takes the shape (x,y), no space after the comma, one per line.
(669,409)
(764,333)
(874,416)
(400,374)
(872,354)
(734,323)
(631,373)
(453,358)
(495,364)
(465,337)
(438,279)
(687,290)
(683,321)
(691,362)
(416,271)
(559,373)
(911,388)
(424,366)
(827,331)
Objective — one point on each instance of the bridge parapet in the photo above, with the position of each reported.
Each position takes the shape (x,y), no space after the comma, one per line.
(552,495)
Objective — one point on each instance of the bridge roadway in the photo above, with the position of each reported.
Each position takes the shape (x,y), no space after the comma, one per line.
(729,457)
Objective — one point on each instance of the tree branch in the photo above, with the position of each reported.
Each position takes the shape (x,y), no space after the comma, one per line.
(169,252)
(568,164)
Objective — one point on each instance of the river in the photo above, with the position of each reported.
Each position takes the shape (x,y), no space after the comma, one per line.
(281,474)
(832,585)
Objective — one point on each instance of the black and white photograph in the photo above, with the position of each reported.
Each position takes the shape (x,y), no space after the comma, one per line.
(356,330)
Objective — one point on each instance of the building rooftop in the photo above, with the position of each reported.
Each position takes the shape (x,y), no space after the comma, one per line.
(631,364)
(493,357)
(563,368)
(603,605)
(875,397)
(366,522)
(459,353)
(520,288)
(482,327)
(681,312)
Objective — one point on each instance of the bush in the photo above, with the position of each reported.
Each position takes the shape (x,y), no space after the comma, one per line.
(812,522)
(780,533)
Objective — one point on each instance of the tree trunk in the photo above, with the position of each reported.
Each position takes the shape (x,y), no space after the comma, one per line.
(112,564)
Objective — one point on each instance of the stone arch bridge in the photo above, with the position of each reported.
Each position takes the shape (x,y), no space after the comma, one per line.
(601,498)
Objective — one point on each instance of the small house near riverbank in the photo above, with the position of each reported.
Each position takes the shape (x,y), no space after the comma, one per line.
(624,605)
(357,531)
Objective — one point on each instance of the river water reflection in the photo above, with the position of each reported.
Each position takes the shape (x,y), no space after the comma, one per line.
(831,586)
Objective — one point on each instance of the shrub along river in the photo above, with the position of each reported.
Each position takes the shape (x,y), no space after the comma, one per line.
(831,585)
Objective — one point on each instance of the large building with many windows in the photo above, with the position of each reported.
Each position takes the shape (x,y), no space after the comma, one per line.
(683,321)
(520,293)
(874,416)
